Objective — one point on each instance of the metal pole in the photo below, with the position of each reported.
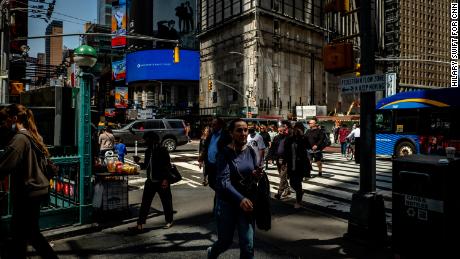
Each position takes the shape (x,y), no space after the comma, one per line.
(4,57)
(367,220)
(367,110)
(161,94)
(84,147)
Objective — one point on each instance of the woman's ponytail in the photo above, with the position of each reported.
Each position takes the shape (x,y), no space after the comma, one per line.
(32,128)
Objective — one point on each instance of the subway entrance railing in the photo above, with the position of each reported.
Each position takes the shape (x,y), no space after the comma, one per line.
(62,206)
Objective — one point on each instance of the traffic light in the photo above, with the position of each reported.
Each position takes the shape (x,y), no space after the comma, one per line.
(358,69)
(209,85)
(50,10)
(176,54)
(337,6)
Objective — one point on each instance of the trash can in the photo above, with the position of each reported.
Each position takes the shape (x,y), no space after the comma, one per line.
(425,206)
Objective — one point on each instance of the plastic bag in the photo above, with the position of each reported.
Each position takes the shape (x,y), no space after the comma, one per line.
(97,196)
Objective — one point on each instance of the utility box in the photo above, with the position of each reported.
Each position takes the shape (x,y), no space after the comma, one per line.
(425,206)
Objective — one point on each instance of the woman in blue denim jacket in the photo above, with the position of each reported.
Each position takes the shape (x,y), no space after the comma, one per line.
(236,190)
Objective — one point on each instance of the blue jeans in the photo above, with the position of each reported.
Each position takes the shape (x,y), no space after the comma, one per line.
(343,145)
(228,217)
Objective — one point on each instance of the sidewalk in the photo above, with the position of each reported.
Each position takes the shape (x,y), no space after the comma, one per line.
(303,233)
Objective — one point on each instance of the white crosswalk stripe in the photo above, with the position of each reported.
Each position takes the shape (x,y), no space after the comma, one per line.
(332,191)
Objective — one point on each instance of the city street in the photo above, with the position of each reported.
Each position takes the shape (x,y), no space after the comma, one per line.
(330,193)
(315,231)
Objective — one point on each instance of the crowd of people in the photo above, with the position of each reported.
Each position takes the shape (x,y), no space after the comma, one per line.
(233,159)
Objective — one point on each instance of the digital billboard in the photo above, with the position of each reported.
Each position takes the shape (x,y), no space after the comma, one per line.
(175,20)
(119,25)
(158,64)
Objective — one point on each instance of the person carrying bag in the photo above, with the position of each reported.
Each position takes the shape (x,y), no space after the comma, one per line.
(158,180)
(238,178)
(25,160)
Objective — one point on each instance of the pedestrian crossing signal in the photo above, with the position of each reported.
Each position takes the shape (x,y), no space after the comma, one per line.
(209,85)
(176,55)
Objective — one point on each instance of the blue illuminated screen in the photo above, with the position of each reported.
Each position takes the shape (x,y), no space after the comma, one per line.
(158,65)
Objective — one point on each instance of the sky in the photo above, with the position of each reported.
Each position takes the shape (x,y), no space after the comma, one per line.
(84,10)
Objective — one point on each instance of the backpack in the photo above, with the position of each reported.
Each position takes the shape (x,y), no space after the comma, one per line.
(49,169)
(326,140)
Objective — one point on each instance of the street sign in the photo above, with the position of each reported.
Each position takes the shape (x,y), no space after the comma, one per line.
(391,84)
(370,83)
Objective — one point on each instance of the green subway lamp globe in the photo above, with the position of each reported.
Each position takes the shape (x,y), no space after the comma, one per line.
(85,56)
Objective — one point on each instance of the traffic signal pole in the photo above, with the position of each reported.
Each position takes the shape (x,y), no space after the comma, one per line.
(367,220)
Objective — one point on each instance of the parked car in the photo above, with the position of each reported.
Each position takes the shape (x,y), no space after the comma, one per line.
(170,131)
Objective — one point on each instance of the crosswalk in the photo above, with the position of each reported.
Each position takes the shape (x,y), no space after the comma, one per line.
(332,191)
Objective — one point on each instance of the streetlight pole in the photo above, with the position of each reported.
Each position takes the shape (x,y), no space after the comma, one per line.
(247,91)
(238,92)
(85,58)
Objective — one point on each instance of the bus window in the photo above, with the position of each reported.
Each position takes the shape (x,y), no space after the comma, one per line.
(383,121)
(406,121)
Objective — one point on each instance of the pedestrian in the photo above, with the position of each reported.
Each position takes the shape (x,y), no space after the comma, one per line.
(277,154)
(298,164)
(356,134)
(187,131)
(236,191)
(267,142)
(343,133)
(335,130)
(204,135)
(315,136)
(106,141)
(120,148)
(273,132)
(25,160)
(256,141)
(158,166)
(215,141)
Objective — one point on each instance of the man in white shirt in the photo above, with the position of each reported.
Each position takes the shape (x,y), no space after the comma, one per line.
(356,134)
(257,143)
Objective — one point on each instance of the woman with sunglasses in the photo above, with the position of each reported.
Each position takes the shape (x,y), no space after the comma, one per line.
(237,174)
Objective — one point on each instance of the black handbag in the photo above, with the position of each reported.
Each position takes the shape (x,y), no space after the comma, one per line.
(174,175)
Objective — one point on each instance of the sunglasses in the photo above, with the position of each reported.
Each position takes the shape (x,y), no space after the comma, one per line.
(241,130)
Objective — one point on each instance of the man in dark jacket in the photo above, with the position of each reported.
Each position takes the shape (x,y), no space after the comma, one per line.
(277,153)
(315,137)
(215,141)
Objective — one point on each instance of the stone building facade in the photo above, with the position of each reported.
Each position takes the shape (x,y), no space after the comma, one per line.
(265,55)
(418,33)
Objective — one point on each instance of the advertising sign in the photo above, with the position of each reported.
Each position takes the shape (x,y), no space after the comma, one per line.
(119,70)
(109,112)
(121,97)
(119,25)
(310,111)
(176,20)
(158,65)
(145,114)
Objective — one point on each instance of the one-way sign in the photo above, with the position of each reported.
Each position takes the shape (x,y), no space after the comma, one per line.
(370,83)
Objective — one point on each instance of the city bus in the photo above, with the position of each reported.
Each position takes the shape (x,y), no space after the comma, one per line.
(418,122)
